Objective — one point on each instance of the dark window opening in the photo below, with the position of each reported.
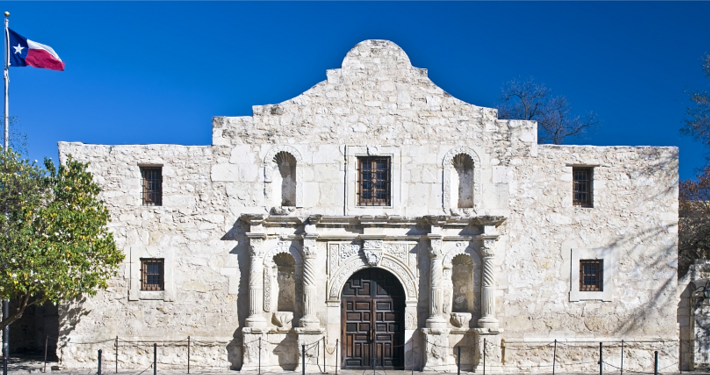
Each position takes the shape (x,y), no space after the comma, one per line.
(591,275)
(152,274)
(374,181)
(582,188)
(152,186)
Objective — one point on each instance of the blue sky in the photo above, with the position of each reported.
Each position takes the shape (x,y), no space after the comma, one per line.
(157,72)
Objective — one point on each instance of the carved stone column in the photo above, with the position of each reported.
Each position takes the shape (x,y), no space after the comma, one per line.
(488,289)
(309,319)
(256,280)
(436,283)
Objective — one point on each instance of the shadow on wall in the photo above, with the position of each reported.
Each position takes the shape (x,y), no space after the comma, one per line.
(70,314)
(241,250)
(643,319)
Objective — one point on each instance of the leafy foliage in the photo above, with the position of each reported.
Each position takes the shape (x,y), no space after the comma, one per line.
(55,243)
(693,223)
(697,122)
(528,100)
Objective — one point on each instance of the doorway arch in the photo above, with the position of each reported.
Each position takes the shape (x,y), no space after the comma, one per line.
(372,320)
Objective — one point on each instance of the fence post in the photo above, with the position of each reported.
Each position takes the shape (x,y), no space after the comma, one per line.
(458,362)
(325,349)
(46,341)
(655,363)
(554,357)
(303,359)
(622,357)
(484,356)
(188,354)
(601,371)
(99,361)
(260,355)
(155,359)
(117,354)
(337,348)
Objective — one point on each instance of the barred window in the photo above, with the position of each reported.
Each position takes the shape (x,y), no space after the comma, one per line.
(591,278)
(374,181)
(152,274)
(152,186)
(582,186)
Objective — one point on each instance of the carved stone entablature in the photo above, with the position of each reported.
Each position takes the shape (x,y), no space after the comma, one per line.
(340,252)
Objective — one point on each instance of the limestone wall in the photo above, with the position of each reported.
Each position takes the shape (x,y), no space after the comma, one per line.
(634,219)
(378,104)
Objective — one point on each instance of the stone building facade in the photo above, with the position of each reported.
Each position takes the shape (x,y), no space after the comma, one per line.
(377,219)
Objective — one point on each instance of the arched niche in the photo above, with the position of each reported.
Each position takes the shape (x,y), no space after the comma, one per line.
(285,285)
(283,177)
(462,179)
(463,268)
(278,261)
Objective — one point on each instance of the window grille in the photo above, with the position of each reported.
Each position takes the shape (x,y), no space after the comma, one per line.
(152,274)
(591,276)
(582,189)
(374,181)
(152,186)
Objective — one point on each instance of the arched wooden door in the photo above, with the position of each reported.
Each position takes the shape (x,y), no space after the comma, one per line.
(372,320)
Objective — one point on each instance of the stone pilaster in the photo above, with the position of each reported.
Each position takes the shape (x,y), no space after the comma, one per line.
(309,320)
(488,289)
(256,280)
(436,283)
(437,356)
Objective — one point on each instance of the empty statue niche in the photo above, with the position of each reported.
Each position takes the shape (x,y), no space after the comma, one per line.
(285,281)
(462,182)
(462,278)
(284,176)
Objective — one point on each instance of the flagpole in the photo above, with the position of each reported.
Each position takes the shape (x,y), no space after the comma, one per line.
(7,83)
(6,303)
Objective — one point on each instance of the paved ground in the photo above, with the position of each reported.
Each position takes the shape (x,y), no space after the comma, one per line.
(18,366)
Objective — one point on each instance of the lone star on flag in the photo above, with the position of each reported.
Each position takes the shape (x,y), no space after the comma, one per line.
(18,48)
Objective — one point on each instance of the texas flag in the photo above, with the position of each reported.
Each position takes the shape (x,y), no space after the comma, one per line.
(25,52)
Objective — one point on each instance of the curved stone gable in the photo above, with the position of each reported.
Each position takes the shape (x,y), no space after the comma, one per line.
(376,97)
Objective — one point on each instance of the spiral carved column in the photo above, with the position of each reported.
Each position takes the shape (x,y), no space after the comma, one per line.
(436,283)
(256,281)
(309,282)
(488,299)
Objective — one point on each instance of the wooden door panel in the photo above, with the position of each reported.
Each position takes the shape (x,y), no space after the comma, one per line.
(372,315)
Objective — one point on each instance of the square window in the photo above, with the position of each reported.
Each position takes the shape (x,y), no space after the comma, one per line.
(582,186)
(373,181)
(152,186)
(591,275)
(152,274)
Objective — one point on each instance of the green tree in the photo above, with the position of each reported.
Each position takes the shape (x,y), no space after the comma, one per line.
(54,240)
